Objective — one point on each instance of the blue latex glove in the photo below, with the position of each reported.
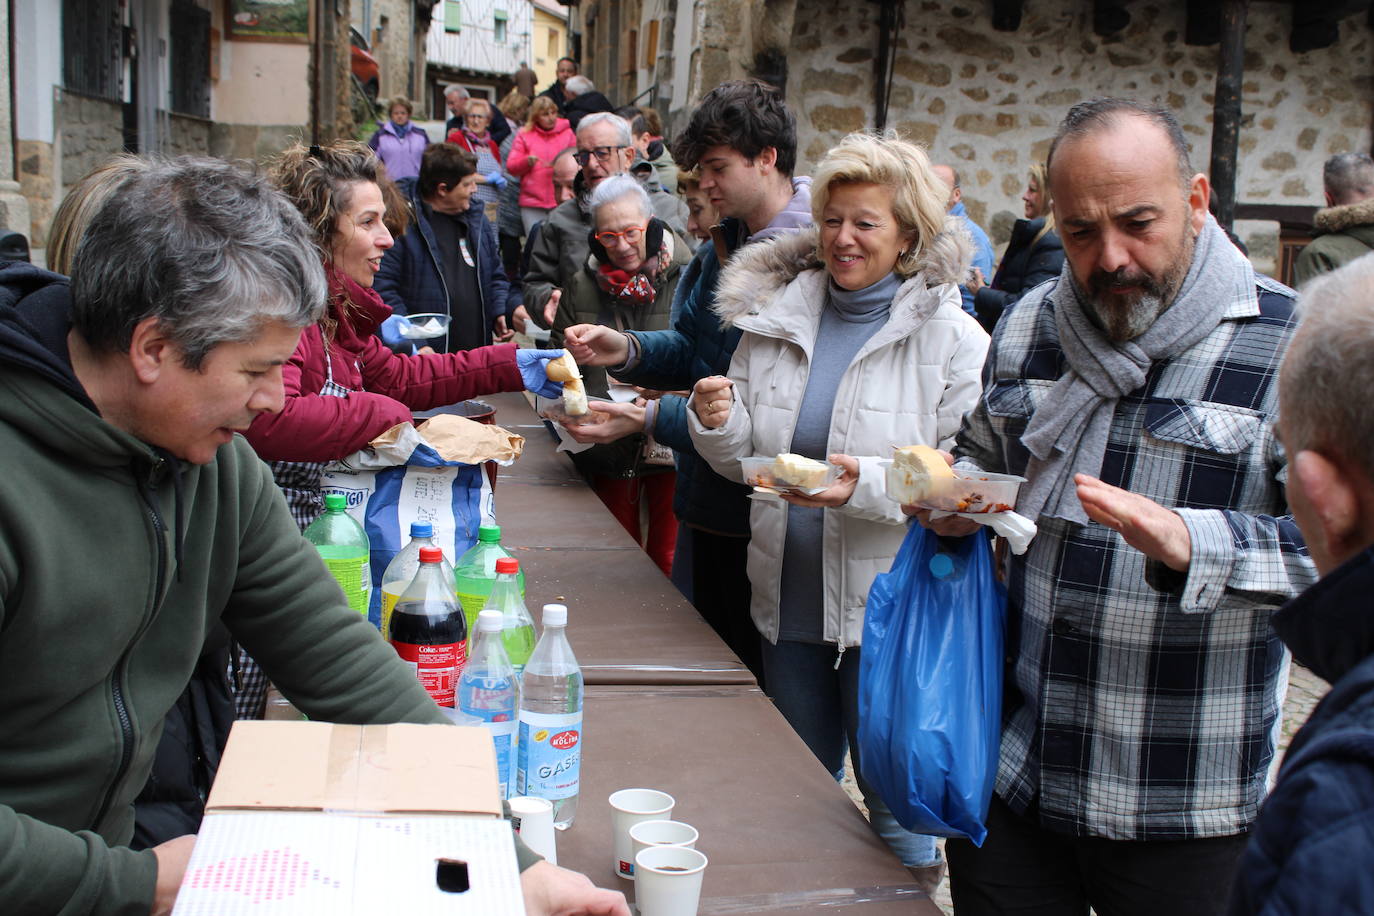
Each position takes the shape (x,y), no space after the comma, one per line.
(534,372)
(496,180)
(393,331)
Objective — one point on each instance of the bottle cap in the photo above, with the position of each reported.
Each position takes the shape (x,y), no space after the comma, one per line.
(941,565)
(555,615)
(491,534)
(491,621)
(507,565)
(421,530)
(335,501)
(431,554)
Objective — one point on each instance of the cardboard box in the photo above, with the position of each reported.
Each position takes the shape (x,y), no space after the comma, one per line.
(308,817)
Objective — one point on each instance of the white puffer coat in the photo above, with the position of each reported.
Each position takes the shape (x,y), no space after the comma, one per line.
(911,383)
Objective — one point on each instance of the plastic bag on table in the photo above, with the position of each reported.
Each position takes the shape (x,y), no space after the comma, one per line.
(930,684)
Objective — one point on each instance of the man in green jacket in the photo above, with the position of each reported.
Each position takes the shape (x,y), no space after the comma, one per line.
(1345,228)
(133,518)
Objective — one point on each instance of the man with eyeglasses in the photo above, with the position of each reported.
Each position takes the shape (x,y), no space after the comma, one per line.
(604,148)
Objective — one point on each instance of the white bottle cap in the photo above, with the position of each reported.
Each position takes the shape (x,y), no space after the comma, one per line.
(491,621)
(555,615)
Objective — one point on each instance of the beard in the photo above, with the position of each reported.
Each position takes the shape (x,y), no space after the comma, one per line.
(1124,315)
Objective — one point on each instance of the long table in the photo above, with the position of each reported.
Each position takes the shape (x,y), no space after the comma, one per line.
(670,707)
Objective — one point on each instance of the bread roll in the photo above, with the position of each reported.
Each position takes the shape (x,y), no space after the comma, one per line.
(563,369)
(574,398)
(798,471)
(918,473)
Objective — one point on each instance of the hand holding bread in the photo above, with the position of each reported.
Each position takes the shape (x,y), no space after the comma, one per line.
(711,400)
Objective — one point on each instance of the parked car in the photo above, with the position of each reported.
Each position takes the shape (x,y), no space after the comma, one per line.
(364,65)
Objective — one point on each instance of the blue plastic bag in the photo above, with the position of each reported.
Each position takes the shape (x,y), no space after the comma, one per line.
(930,684)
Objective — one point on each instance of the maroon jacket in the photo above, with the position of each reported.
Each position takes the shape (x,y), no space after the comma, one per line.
(385,387)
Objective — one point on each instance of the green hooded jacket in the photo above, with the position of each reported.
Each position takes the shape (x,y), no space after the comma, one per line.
(115,559)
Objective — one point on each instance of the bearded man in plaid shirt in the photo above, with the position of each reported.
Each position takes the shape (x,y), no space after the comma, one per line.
(1137,393)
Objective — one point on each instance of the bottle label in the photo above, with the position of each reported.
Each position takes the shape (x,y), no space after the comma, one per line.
(549,754)
(503,736)
(354,578)
(437,667)
(388,605)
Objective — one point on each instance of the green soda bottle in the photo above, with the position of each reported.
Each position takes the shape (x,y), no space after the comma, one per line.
(475,573)
(343,545)
(517,626)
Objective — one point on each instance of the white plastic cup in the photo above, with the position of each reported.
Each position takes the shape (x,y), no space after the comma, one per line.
(662,833)
(533,820)
(668,880)
(630,807)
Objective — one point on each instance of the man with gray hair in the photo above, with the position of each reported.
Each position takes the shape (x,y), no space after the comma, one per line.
(137,520)
(1311,850)
(605,147)
(1137,393)
(1345,228)
(583,100)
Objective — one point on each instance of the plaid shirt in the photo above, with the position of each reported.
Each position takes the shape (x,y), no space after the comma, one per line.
(1142,704)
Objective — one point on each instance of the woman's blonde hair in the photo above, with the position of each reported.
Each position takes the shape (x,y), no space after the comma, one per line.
(918,195)
(514,105)
(483,102)
(1040,174)
(540,105)
(81,205)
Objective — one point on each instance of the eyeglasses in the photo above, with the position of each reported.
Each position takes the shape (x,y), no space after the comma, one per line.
(478,117)
(603,154)
(631,235)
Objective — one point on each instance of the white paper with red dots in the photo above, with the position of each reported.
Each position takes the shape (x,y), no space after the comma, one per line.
(301,864)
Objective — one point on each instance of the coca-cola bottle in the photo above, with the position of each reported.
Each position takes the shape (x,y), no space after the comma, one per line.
(427,628)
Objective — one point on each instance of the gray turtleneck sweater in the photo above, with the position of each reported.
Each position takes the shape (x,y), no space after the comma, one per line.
(848,320)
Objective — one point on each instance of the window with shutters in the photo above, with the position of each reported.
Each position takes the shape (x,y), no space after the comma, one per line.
(453,15)
(92,37)
(499,27)
(190,58)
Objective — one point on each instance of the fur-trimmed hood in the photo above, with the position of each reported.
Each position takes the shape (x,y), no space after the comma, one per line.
(759,271)
(1342,218)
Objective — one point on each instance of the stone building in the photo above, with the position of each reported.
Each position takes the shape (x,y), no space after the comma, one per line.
(987,100)
(230,78)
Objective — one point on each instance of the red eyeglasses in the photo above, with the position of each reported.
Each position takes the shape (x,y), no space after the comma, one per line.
(631,235)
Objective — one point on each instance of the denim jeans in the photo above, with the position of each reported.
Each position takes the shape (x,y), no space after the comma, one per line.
(822,706)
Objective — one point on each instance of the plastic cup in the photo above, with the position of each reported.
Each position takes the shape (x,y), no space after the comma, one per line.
(630,807)
(661,833)
(533,819)
(668,880)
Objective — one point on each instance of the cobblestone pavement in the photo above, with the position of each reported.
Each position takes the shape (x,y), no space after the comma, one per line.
(1305,689)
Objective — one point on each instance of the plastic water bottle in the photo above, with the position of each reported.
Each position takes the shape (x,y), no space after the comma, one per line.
(343,546)
(549,754)
(476,572)
(488,690)
(517,631)
(403,567)
(428,631)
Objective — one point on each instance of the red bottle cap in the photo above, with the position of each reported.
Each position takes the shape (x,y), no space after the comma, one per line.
(431,554)
(507,565)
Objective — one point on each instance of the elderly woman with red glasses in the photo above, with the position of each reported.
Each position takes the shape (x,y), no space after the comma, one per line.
(626,283)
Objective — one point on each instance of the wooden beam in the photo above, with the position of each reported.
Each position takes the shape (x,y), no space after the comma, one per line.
(1226,108)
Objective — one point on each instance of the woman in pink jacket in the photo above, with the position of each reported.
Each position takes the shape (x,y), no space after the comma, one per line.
(531,157)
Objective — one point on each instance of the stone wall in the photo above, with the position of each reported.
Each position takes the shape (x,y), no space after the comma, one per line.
(91,130)
(256,142)
(988,102)
(188,135)
(35,175)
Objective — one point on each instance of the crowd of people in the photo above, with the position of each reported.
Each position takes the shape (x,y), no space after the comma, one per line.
(224,335)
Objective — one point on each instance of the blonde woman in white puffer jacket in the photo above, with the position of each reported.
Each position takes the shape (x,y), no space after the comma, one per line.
(854,341)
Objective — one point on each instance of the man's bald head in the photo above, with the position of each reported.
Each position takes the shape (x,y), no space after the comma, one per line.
(951,180)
